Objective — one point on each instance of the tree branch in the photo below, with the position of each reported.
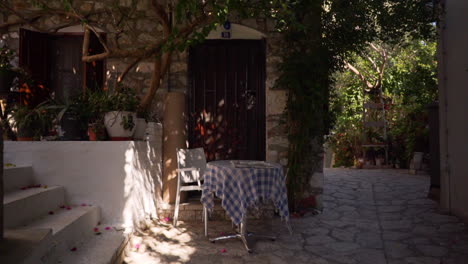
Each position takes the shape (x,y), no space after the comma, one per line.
(127,69)
(359,74)
(162,16)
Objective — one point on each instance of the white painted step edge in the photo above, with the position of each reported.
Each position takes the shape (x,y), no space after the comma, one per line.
(69,229)
(23,206)
(100,249)
(16,177)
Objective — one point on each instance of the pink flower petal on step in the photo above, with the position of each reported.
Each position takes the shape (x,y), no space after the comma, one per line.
(83,204)
(223,250)
(69,208)
(167,219)
(96,229)
(107,228)
(73,249)
(221,233)
(137,246)
(51,212)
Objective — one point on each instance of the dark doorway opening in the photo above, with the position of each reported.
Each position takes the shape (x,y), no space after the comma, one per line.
(227,99)
(54,63)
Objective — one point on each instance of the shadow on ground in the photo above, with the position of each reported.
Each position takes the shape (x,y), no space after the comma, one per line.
(370,217)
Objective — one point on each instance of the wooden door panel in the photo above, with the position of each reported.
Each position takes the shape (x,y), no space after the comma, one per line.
(34,59)
(226,99)
(66,68)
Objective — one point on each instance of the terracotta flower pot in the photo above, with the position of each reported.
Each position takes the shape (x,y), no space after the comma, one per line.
(24,139)
(91,134)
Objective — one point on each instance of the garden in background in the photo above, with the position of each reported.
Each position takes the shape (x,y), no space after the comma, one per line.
(400,80)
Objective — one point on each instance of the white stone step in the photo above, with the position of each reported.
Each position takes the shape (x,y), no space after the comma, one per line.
(69,229)
(23,206)
(100,249)
(21,244)
(15,178)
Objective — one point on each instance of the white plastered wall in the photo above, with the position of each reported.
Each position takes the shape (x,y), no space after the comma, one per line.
(123,178)
(453,110)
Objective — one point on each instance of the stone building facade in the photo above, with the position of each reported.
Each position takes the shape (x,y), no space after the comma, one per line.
(144,30)
(177,80)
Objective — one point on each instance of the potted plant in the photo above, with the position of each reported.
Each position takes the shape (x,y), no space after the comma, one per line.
(31,123)
(96,101)
(6,69)
(73,118)
(120,120)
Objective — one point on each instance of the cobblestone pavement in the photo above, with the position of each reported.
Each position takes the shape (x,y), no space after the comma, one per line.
(370,217)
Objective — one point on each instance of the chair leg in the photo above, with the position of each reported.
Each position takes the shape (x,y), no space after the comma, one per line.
(205,219)
(176,209)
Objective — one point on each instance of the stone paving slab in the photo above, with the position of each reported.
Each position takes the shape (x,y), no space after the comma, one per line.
(370,217)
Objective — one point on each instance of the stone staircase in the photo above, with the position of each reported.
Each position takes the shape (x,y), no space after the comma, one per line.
(40,227)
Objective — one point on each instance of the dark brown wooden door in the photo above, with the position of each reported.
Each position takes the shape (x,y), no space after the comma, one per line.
(34,59)
(227,99)
(66,67)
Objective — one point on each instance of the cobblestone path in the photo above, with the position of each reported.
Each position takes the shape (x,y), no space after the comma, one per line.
(370,217)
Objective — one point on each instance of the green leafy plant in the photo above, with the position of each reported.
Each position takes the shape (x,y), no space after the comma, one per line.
(124,99)
(6,56)
(32,122)
(409,85)
(127,122)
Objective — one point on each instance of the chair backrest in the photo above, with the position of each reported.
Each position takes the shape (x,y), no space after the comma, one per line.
(191,158)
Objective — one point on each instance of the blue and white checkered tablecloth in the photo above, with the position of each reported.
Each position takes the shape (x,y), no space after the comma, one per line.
(243,187)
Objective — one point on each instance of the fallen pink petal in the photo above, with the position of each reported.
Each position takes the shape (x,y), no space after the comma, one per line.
(167,219)
(83,204)
(73,249)
(221,233)
(223,250)
(96,229)
(137,246)
(107,228)
(69,208)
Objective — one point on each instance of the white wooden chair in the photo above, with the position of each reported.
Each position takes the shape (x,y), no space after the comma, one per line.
(191,165)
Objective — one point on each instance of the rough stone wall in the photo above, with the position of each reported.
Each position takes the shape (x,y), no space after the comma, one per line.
(276,133)
(139,78)
(146,31)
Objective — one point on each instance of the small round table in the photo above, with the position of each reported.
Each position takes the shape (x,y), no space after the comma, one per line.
(241,185)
